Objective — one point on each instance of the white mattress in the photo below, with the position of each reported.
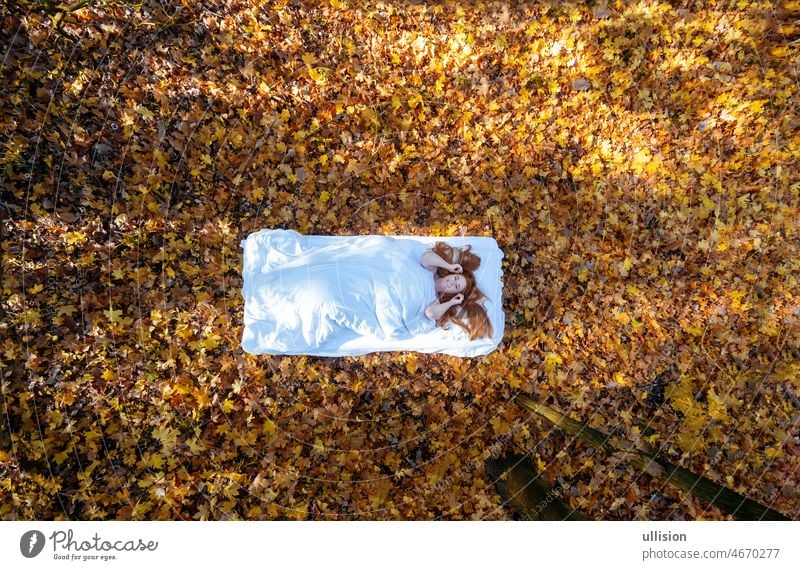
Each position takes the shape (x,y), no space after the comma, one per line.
(281,325)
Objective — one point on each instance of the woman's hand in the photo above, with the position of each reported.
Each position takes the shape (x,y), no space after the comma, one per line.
(455,268)
(435,310)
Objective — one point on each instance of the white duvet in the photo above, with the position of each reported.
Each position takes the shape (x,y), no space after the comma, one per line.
(352,295)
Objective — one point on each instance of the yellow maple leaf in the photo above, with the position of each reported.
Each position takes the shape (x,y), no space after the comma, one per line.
(211,341)
(73,238)
(167,436)
(736,303)
(317,74)
(144,112)
(551,361)
(681,395)
(690,433)
(68,310)
(769,330)
(257,194)
(717,409)
(622,317)
(499,426)
(626,266)
(113,315)
(640,160)
(155,460)
(202,398)
(411,364)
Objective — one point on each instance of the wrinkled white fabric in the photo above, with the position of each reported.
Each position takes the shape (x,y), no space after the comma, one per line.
(352,295)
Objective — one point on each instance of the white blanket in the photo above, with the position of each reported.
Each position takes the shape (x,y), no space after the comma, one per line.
(353,295)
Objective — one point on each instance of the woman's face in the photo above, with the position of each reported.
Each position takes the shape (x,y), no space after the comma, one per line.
(452,284)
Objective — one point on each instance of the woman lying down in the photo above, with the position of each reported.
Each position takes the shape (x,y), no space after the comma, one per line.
(317,297)
(458,298)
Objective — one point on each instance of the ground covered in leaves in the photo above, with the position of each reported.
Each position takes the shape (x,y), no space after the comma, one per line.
(636,161)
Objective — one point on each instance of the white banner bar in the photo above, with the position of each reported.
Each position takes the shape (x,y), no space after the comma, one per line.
(379,545)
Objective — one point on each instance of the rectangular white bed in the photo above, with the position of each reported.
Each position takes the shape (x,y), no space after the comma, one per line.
(289,280)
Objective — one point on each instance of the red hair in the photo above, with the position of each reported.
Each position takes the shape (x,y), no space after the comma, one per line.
(470,315)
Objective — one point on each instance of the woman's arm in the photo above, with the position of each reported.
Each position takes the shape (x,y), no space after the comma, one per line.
(435,310)
(431,260)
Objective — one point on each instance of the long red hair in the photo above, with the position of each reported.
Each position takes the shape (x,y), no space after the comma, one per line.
(470,315)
